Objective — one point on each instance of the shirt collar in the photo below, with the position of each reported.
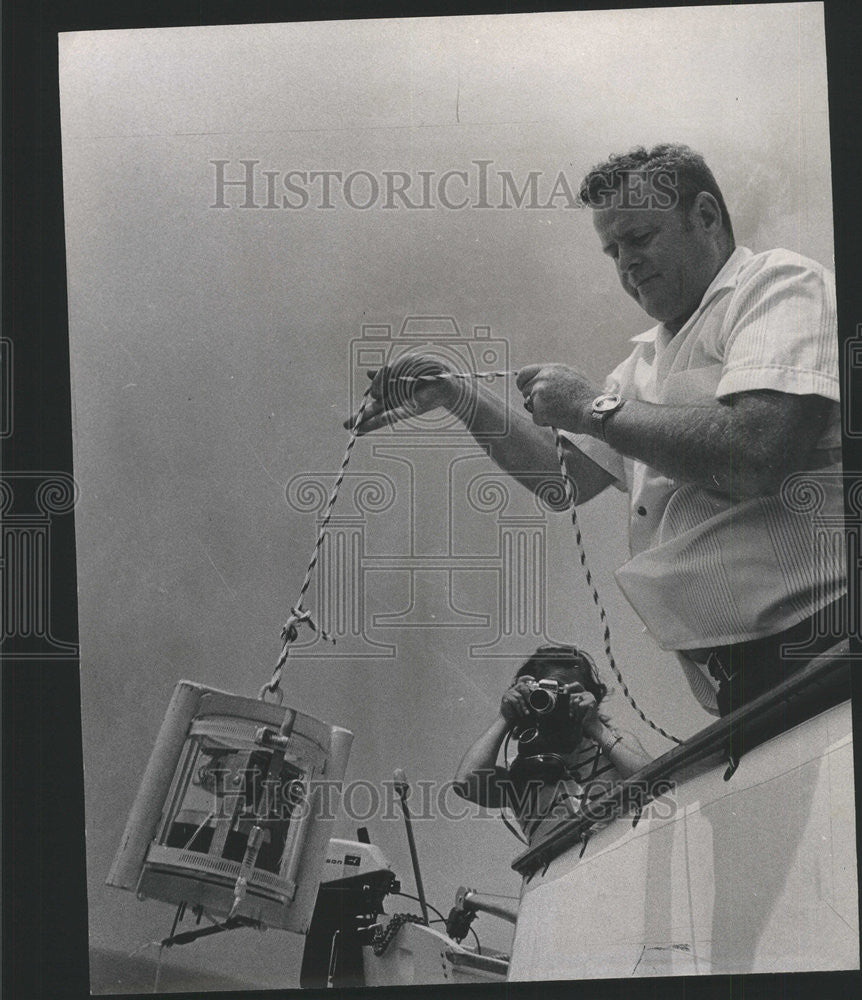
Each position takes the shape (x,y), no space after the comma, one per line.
(726,278)
(727,275)
(647,337)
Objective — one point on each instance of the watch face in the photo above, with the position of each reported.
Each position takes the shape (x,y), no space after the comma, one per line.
(606,403)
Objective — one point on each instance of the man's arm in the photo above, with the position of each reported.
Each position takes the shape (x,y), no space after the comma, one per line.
(527,452)
(742,446)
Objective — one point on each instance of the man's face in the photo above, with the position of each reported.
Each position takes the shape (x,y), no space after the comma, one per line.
(664,263)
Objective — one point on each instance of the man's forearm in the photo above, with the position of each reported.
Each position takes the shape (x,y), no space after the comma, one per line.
(527,452)
(742,446)
(740,450)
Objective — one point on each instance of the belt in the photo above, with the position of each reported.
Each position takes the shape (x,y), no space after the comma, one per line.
(723,662)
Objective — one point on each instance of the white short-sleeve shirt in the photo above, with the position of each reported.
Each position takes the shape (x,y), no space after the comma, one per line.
(706,570)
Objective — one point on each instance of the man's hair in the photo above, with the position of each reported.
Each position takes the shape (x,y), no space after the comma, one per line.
(678,168)
(547,658)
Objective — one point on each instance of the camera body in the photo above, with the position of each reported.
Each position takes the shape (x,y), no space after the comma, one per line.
(548,724)
(548,701)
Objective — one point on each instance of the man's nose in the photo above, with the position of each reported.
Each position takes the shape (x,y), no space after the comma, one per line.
(627,261)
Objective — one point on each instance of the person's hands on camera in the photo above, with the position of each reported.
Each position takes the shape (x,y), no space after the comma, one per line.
(394,397)
(514,706)
(584,710)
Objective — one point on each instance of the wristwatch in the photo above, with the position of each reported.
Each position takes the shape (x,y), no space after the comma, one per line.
(603,406)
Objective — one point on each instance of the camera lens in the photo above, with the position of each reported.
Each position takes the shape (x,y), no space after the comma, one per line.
(541,701)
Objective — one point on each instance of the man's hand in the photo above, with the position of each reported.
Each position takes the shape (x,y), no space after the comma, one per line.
(394,397)
(514,705)
(557,396)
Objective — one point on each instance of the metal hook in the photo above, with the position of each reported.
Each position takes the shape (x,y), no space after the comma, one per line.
(278,694)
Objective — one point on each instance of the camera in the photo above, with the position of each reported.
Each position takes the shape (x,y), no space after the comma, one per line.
(549,721)
(549,701)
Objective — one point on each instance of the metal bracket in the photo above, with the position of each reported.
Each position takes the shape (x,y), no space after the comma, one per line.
(732,765)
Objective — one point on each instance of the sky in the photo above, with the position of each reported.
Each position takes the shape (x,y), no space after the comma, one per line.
(216,350)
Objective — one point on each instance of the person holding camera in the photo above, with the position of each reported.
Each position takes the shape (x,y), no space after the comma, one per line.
(569,751)
(722,426)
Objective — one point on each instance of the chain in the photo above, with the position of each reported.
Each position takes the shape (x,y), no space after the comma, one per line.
(383,937)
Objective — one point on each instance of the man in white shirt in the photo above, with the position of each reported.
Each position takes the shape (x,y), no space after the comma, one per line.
(719,425)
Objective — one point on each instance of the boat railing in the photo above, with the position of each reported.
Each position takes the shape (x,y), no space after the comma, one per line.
(818,686)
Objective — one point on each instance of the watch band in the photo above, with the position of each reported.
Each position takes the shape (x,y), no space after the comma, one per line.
(603,406)
(607,743)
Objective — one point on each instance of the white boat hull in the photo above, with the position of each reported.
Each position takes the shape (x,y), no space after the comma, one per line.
(421,955)
(756,874)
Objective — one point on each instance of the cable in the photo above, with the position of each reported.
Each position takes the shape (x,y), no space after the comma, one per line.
(416,900)
(511,828)
(158,974)
(192,838)
(506,749)
(440,915)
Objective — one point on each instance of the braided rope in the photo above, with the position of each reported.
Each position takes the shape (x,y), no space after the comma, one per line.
(299,615)
(570,498)
(484,376)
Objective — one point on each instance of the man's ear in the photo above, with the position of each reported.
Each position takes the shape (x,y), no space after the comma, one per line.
(706,212)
